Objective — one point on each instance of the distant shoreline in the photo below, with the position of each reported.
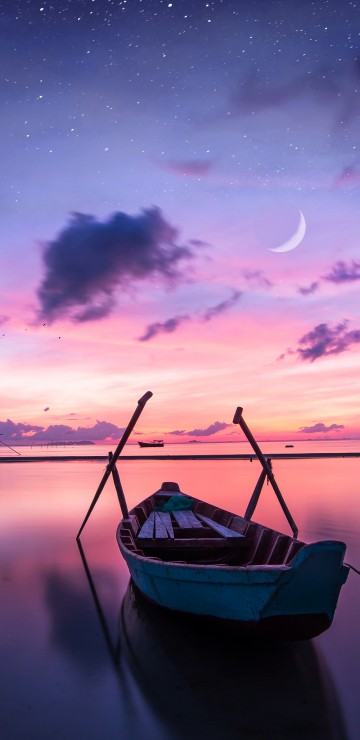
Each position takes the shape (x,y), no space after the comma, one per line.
(102,458)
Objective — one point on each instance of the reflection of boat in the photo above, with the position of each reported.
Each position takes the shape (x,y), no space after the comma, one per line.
(154,443)
(192,557)
(202,686)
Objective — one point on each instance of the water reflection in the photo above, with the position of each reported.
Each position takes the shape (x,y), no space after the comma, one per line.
(202,683)
(72,625)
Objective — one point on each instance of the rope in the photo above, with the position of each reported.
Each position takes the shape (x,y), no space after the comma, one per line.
(353,568)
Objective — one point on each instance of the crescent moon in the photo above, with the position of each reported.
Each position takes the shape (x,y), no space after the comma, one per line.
(294,240)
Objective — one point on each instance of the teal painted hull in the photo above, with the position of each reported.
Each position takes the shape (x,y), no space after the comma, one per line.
(303,595)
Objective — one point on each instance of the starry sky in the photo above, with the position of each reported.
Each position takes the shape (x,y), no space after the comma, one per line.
(153,155)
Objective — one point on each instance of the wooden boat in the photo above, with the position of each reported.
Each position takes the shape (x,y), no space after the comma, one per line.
(194,558)
(212,563)
(154,443)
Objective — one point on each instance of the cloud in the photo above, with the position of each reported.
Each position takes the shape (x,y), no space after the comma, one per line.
(308,290)
(217,426)
(90,259)
(32,434)
(339,273)
(322,84)
(198,243)
(343,273)
(256,94)
(257,277)
(191,167)
(320,427)
(172,324)
(213,311)
(348,177)
(165,327)
(324,340)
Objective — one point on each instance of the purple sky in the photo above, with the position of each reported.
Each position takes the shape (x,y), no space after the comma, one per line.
(153,154)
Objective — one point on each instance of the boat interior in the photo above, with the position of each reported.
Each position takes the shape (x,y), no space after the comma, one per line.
(201,533)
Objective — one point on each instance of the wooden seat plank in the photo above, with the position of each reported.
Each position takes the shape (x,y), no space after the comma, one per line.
(186,519)
(224,531)
(147,529)
(165,518)
(160,528)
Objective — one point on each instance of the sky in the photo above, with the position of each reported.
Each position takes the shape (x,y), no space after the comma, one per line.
(154,155)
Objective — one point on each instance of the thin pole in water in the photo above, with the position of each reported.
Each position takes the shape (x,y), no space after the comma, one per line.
(10,448)
(111,465)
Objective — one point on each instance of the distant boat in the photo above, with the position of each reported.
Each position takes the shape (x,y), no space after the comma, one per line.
(154,443)
(192,557)
(289,445)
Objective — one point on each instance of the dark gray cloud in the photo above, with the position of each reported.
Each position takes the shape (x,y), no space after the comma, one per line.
(32,434)
(323,341)
(310,289)
(217,426)
(198,243)
(343,273)
(348,177)
(320,427)
(15,432)
(257,278)
(169,326)
(213,311)
(255,93)
(90,259)
(191,167)
(163,327)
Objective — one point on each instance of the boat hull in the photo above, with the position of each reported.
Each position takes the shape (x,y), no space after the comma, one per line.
(297,601)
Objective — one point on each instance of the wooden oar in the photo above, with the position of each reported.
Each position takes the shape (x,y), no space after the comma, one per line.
(238,419)
(112,463)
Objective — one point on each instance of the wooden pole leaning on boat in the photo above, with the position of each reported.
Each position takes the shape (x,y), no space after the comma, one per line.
(238,419)
(111,465)
(256,495)
(119,489)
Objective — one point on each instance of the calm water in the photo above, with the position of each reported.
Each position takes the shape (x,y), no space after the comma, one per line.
(58,648)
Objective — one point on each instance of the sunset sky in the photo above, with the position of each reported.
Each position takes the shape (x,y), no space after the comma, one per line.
(153,155)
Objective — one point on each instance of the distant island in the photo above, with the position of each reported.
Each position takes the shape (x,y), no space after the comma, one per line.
(81,442)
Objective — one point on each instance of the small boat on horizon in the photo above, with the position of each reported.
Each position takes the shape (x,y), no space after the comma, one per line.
(204,562)
(154,443)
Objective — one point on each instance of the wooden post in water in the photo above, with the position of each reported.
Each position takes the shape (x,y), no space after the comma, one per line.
(238,419)
(112,463)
